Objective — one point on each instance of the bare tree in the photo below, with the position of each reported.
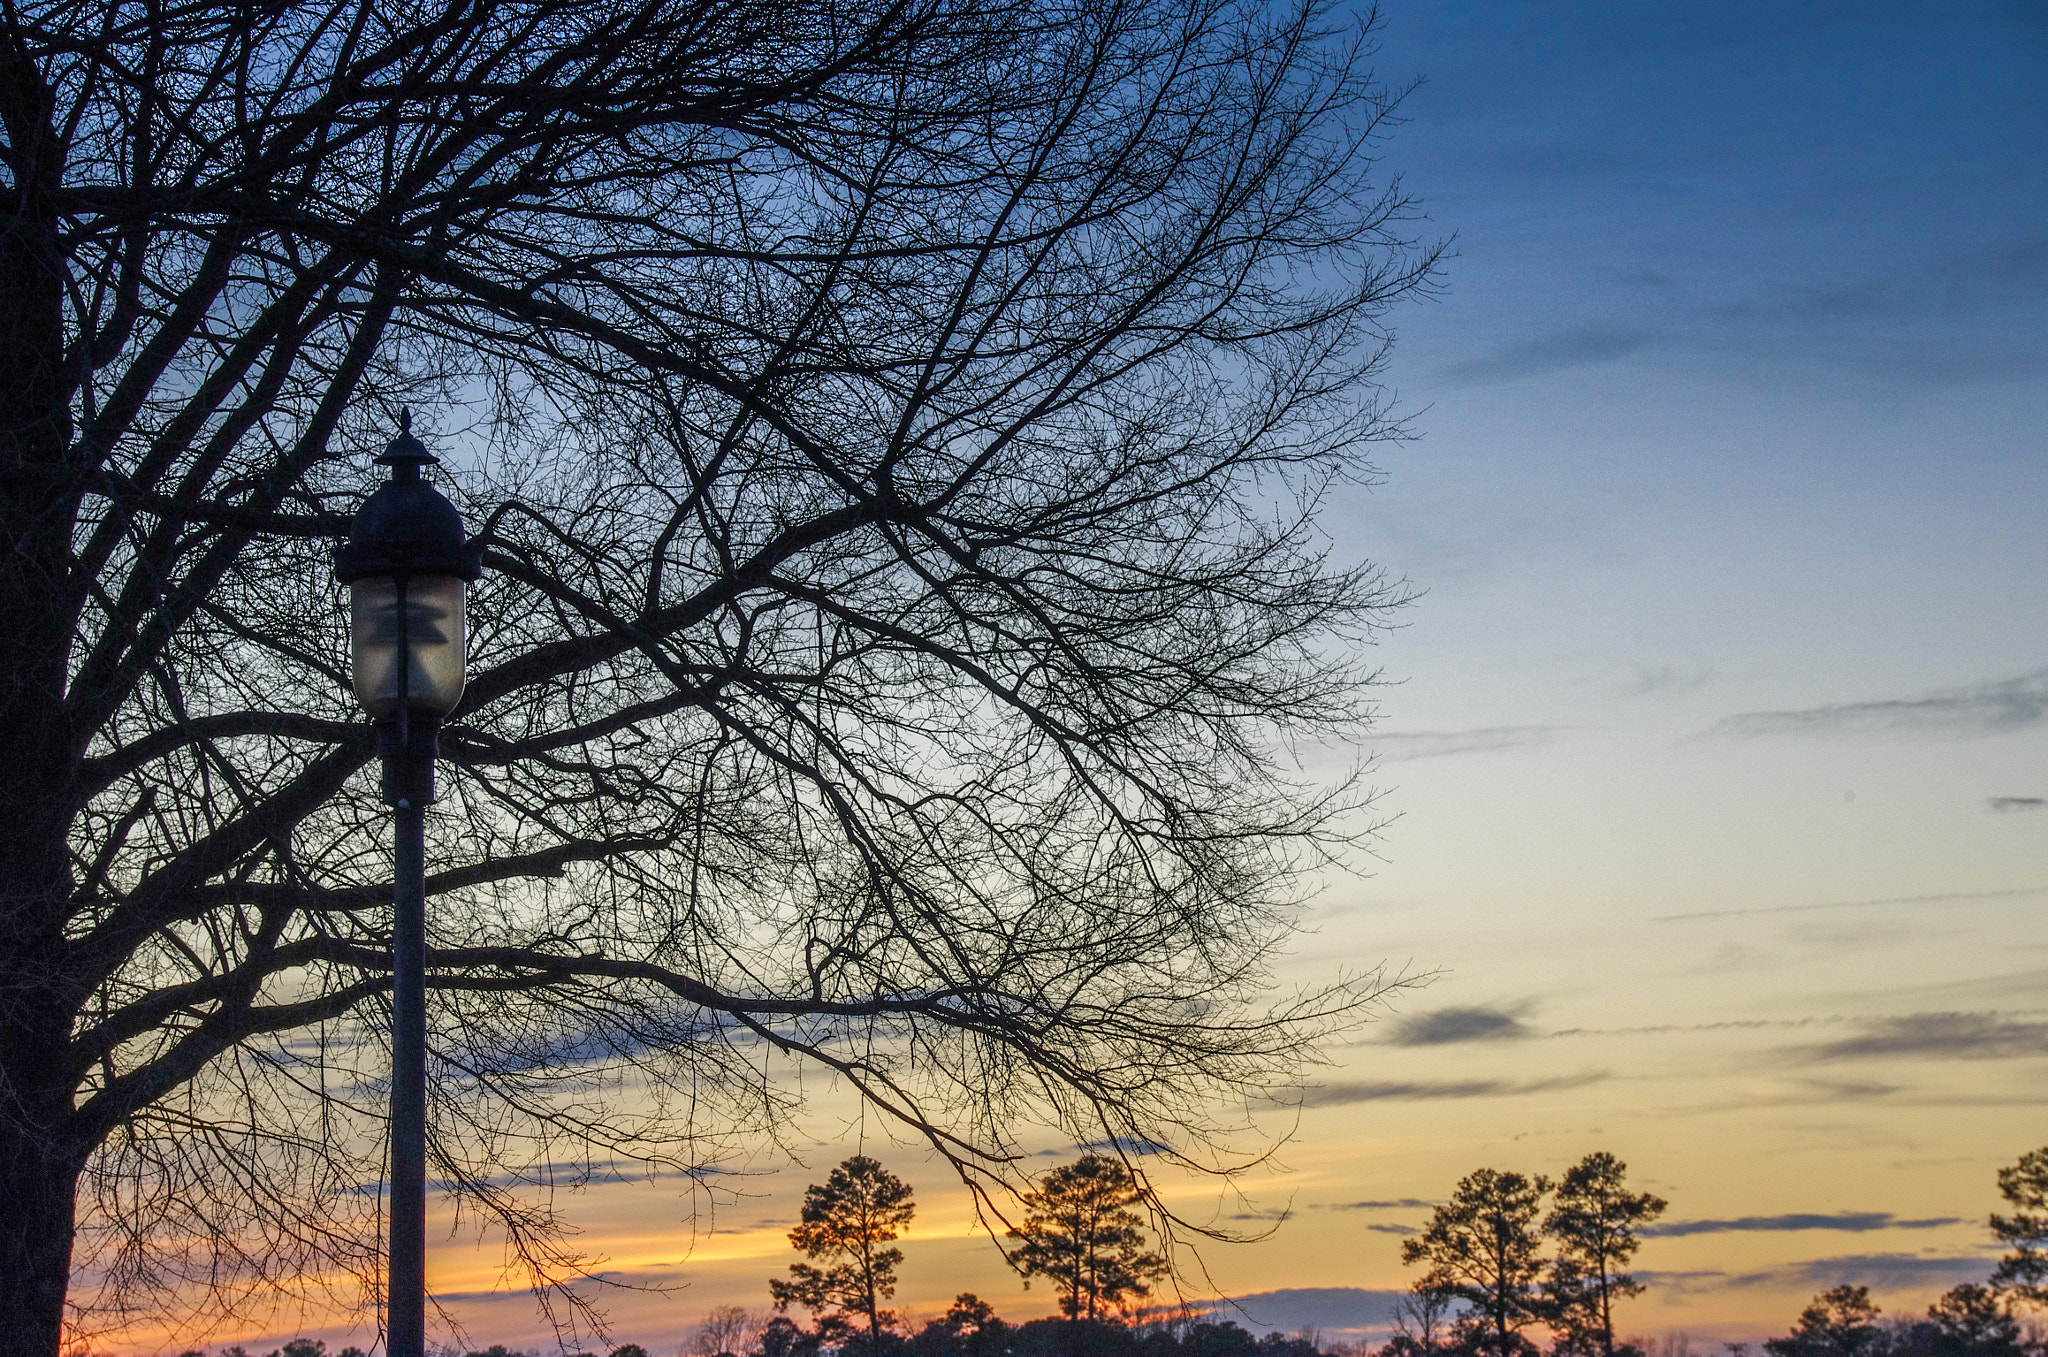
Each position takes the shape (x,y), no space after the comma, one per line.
(1425,1317)
(896,429)
(727,1330)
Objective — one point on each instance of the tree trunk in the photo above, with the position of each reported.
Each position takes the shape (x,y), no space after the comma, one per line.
(40,1157)
(38,1184)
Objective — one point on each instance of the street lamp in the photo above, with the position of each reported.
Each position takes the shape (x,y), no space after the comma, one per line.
(408,567)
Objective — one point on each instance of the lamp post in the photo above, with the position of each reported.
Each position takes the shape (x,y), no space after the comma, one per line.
(408,566)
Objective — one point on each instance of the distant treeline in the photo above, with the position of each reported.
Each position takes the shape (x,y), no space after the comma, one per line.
(1509,1259)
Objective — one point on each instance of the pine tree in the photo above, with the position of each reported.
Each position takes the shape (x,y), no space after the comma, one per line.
(847,1220)
(2022,1275)
(1970,1321)
(1841,1322)
(1080,1231)
(1594,1224)
(1482,1248)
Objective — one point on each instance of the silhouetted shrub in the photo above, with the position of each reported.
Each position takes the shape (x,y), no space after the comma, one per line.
(1073,1338)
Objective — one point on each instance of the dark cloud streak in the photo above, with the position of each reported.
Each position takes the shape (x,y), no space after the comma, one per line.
(1982,709)
(1395,746)
(1550,353)
(1945,1036)
(1339,1095)
(1449,1025)
(1855,1222)
(1884,1270)
(1852,904)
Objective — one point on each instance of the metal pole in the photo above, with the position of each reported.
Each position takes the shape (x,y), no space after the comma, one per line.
(409,768)
(406,1325)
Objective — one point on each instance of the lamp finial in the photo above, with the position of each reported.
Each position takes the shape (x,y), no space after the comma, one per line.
(406,455)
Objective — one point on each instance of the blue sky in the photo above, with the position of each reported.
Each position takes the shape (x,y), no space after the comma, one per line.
(1716,747)
(1742,351)
(1838,198)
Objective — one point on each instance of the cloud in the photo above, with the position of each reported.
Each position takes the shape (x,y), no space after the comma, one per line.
(1871,1269)
(1884,1271)
(1844,1090)
(1881,1270)
(1387,1227)
(1550,353)
(1394,746)
(2005,804)
(1952,285)
(1852,904)
(1982,709)
(1124,1145)
(1448,1025)
(1400,1204)
(1318,1307)
(1665,678)
(1856,1222)
(1338,1095)
(1947,1036)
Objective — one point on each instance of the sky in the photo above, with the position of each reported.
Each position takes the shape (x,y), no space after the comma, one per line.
(1716,746)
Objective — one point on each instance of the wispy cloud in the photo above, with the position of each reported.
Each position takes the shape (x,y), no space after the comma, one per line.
(1400,1204)
(1855,1222)
(1950,284)
(1947,1036)
(2006,804)
(1124,1145)
(1665,678)
(1448,1025)
(1882,1270)
(1395,745)
(1337,1095)
(1982,709)
(1944,898)
(1879,1269)
(1388,1227)
(1579,347)
(1340,1308)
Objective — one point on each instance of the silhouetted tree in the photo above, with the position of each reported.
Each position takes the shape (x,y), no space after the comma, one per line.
(1066,1337)
(847,1221)
(1080,1232)
(1482,1247)
(2022,1274)
(1278,1344)
(1423,1320)
(1841,1322)
(1218,1338)
(784,1337)
(1594,1223)
(1971,1320)
(969,1328)
(895,429)
(723,1332)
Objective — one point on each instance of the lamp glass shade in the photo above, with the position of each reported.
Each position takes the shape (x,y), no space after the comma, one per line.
(408,643)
